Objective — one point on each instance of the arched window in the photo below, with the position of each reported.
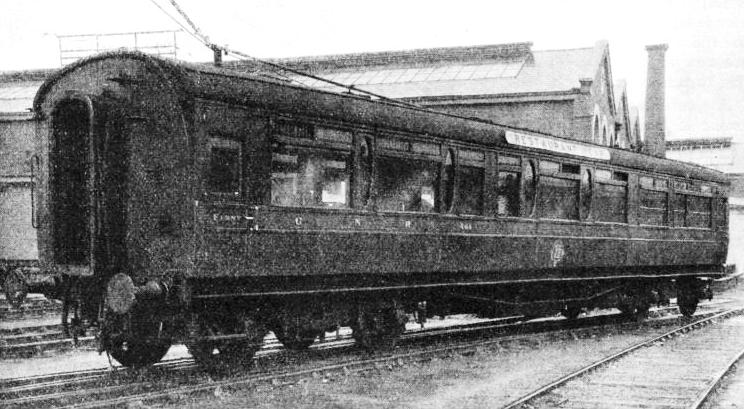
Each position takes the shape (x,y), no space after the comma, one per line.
(595,129)
(448,182)
(586,193)
(604,135)
(529,189)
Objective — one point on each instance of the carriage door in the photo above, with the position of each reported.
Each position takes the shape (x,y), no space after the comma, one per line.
(71,184)
(88,188)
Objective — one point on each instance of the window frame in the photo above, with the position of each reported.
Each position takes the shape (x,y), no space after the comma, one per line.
(225,141)
(312,142)
(615,178)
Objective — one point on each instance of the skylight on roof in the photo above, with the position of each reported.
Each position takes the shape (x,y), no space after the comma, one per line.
(507,69)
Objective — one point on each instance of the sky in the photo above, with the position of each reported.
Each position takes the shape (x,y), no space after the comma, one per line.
(705,60)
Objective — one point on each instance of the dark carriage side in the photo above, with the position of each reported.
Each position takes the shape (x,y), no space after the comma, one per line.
(228,204)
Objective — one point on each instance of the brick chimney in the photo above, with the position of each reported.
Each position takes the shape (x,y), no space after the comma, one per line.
(655,139)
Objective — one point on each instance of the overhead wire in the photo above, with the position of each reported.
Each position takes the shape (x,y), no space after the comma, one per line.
(197,33)
(175,20)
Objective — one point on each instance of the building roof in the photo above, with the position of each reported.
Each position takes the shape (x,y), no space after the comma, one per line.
(487,70)
(17,97)
(506,69)
(699,143)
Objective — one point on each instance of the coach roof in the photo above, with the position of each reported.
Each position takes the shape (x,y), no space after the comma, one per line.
(199,80)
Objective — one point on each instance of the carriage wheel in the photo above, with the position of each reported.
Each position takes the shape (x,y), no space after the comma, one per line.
(219,354)
(137,353)
(378,326)
(571,311)
(134,340)
(294,337)
(635,302)
(635,309)
(687,296)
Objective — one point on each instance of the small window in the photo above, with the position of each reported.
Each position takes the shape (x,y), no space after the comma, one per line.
(508,160)
(620,176)
(549,167)
(603,174)
(529,188)
(570,168)
(294,129)
(224,166)
(646,182)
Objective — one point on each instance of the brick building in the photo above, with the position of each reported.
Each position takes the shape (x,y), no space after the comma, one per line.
(568,93)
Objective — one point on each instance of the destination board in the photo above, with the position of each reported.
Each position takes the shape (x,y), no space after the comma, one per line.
(557,145)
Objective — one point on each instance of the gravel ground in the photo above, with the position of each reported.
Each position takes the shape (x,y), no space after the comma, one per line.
(490,377)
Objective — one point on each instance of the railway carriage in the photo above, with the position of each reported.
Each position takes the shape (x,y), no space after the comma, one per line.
(184,203)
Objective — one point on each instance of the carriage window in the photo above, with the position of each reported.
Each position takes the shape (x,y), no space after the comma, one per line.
(646,182)
(559,198)
(529,188)
(653,208)
(610,203)
(610,196)
(470,190)
(310,178)
(586,193)
(698,211)
(507,199)
(224,166)
(406,184)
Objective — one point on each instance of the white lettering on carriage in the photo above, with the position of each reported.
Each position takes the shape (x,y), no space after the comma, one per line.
(557,145)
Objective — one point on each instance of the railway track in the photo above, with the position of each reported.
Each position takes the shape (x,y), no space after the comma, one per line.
(107,388)
(668,371)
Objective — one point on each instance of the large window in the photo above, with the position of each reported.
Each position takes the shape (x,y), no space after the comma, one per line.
(611,196)
(698,211)
(309,177)
(558,198)
(407,185)
(470,190)
(224,166)
(691,208)
(653,201)
(559,191)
